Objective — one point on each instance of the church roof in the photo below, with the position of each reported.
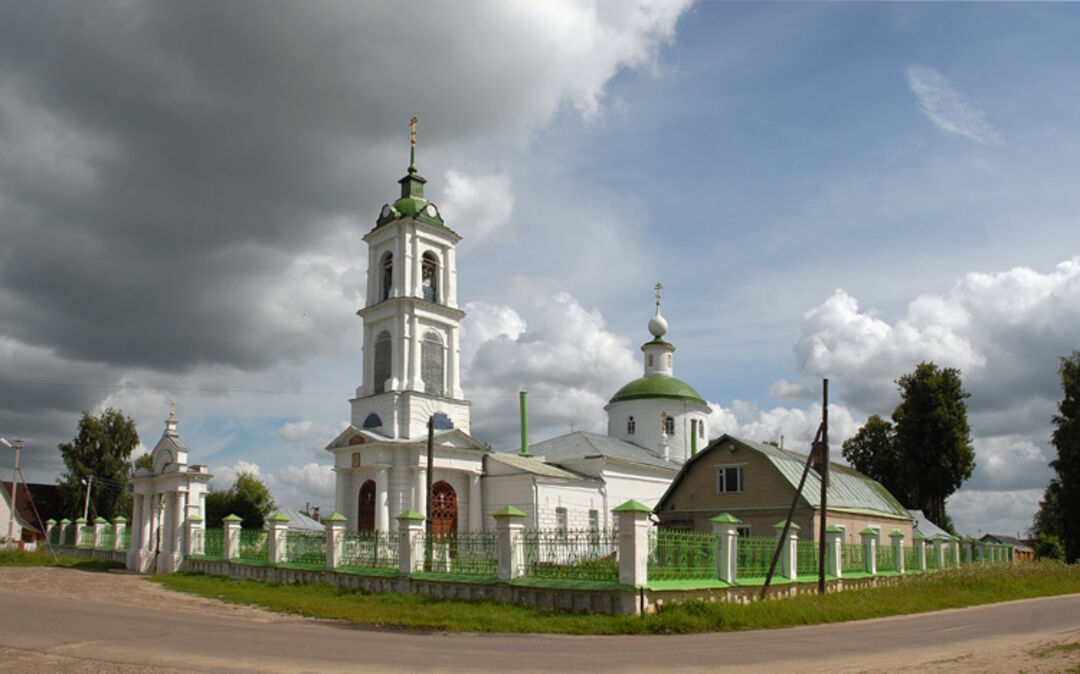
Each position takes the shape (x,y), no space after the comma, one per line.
(535,465)
(584,445)
(658,386)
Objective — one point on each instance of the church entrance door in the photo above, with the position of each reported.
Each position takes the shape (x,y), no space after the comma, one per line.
(443,509)
(365,520)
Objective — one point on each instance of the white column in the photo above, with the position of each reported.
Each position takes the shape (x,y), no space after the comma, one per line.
(476,517)
(416,379)
(382,506)
(420,502)
(136,522)
(179,517)
(450,265)
(453,356)
(168,533)
(146,530)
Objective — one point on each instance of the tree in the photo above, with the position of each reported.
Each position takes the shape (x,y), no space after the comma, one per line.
(925,454)
(1061,502)
(873,451)
(102,449)
(247,498)
(933,437)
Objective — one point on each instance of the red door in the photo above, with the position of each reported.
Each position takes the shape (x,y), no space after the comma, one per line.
(366,519)
(443,509)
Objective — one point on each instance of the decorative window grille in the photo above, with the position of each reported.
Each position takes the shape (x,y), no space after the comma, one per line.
(387,275)
(432,364)
(382,361)
(429,274)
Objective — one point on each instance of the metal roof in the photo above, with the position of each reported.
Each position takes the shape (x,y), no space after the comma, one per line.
(535,465)
(584,445)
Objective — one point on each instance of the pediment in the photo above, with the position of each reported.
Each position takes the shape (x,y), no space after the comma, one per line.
(458,439)
(354,437)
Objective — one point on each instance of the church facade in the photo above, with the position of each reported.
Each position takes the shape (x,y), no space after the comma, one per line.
(412,378)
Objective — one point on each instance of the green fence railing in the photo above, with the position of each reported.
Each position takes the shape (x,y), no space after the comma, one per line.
(254,546)
(306,548)
(886,560)
(106,539)
(369,550)
(465,552)
(676,555)
(572,555)
(806,558)
(851,558)
(213,544)
(754,555)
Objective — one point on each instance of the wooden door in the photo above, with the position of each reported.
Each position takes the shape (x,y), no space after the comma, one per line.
(366,514)
(443,509)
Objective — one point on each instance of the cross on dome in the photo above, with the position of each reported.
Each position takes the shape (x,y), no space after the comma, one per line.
(658,325)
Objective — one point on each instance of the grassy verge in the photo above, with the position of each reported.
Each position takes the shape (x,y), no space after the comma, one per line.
(44,558)
(968,586)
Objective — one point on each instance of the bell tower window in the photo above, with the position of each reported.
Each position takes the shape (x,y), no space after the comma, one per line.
(429,274)
(669,424)
(387,275)
(382,361)
(432,363)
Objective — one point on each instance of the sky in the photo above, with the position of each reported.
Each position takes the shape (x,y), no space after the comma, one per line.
(838,190)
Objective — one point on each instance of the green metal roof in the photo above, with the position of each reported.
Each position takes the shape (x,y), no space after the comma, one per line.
(412,203)
(658,386)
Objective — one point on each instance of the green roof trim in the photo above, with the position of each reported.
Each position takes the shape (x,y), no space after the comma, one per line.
(918,537)
(232,518)
(278,517)
(119,518)
(336,517)
(780,525)
(195,520)
(632,506)
(50,521)
(942,537)
(725,518)
(896,533)
(65,521)
(410,514)
(869,532)
(833,529)
(100,520)
(658,386)
(658,342)
(81,520)
(509,511)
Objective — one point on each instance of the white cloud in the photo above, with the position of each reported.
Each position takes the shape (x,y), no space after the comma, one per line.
(947,108)
(797,426)
(296,486)
(561,352)
(786,390)
(482,204)
(976,512)
(223,477)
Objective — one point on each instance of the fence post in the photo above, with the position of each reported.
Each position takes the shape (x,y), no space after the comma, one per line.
(196,537)
(789,564)
(954,549)
(920,551)
(725,528)
(509,523)
(50,524)
(276,550)
(968,552)
(410,542)
(65,526)
(939,550)
(869,550)
(897,537)
(633,542)
(335,539)
(80,524)
(230,545)
(834,537)
(119,526)
(99,527)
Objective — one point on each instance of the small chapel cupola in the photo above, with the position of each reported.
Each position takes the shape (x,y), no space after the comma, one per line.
(658,353)
(412,203)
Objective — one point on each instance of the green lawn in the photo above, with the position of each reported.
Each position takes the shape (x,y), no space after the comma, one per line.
(967,586)
(44,558)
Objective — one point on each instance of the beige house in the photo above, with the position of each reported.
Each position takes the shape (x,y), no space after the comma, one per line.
(756,482)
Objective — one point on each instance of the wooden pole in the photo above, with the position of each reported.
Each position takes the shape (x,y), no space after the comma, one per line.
(824,484)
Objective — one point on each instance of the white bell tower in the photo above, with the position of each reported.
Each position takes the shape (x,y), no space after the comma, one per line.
(411,320)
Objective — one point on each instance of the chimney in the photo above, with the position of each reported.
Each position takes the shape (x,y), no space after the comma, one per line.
(524,423)
(315,514)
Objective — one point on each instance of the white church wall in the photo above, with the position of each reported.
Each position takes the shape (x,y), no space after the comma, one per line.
(648,424)
(499,491)
(642,485)
(578,500)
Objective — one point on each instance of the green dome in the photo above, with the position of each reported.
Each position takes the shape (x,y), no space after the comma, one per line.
(658,386)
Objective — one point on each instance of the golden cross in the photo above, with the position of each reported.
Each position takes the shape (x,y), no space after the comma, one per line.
(412,131)
(658,288)
(172,410)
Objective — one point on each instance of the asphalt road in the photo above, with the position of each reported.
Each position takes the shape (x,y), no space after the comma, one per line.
(48,633)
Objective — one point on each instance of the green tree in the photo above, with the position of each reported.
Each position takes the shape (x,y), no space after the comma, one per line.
(1061,502)
(933,437)
(874,452)
(248,498)
(102,449)
(1049,547)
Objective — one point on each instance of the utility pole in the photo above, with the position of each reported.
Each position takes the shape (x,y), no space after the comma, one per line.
(14,490)
(86,504)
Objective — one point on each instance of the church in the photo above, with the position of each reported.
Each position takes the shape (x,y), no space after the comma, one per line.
(412,377)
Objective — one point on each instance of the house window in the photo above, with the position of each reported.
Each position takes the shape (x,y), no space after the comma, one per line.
(560,520)
(594,520)
(387,275)
(669,425)
(729,479)
(631,426)
(430,277)
(382,361)
(432,363)
(743,531)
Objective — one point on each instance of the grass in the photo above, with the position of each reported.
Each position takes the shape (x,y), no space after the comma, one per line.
(968,586)
(42,557)
(1066,651)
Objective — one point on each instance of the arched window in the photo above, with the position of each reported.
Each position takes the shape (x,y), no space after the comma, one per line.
(669,424)
(650,360)
(701,428)
(669,361)
(387,275)
(432,363)
(382,361)
(630,426)
(365,520)
(372,421)
(429,276)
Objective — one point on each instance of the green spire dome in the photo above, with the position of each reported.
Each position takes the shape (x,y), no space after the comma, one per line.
(412,203)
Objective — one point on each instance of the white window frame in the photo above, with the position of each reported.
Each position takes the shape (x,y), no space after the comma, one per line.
(721,475)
